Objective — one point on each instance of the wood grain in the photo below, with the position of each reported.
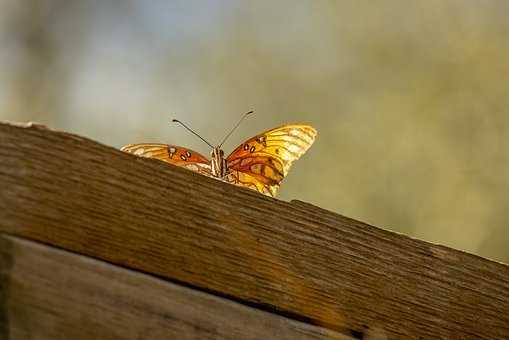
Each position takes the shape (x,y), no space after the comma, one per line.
(57,295)
(290,258)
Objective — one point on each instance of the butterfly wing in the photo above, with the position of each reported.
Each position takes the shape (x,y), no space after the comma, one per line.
(172,154)
(263,161)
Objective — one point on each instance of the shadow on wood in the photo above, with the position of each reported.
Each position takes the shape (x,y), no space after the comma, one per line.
(59,295)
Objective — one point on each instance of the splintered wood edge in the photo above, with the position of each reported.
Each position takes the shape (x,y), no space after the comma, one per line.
(289,258)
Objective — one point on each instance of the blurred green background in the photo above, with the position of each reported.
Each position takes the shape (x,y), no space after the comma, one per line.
(410,98)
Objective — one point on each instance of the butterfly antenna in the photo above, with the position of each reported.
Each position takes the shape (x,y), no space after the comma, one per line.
(235,127)
(194,133)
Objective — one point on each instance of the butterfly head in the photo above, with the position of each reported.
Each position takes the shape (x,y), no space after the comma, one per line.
(218,162)
(217,152)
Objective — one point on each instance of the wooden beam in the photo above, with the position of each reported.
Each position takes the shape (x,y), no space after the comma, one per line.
(53,294)
(290,258)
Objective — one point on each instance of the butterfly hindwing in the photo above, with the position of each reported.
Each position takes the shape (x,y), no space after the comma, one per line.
(172,154)
(264,160)
(247,180)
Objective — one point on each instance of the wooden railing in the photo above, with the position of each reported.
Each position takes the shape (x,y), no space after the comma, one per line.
(99,244)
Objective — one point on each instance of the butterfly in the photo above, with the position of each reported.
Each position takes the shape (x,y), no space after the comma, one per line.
(260,163)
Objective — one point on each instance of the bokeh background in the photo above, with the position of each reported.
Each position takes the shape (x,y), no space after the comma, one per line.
(410,98)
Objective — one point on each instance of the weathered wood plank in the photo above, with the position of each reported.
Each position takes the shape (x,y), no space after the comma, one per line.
(53,294)
(292,258)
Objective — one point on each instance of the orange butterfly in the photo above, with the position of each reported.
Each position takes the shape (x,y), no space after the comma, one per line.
(260,163)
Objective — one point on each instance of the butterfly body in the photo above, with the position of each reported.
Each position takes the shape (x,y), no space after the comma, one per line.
(260,163)
(218,164)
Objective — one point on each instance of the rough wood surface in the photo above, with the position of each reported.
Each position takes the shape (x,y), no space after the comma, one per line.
(291,258)
(53,294)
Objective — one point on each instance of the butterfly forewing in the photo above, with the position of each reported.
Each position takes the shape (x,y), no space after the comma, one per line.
(172,154)
(264,160)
